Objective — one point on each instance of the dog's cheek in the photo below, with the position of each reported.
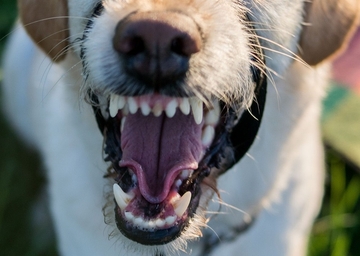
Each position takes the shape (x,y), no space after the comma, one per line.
(100,59)
(80,11)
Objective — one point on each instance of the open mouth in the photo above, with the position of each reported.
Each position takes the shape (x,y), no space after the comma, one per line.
(161,148)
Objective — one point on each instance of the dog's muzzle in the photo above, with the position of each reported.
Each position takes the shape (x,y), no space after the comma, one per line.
(163,145)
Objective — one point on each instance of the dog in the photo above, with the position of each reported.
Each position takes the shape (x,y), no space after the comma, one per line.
(177,127)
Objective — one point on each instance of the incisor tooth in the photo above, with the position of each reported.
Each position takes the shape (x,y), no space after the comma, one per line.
(139,221)
(160,223)
(145,108)
(121,102)
(133,107)
(171,108)
(170,220)
(122,199)
(129,216)
(182,204)
(185,106)
(197,109)
(157,109)
(151,224)
(113,109)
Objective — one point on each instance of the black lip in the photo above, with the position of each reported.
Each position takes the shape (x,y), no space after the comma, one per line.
(160,236)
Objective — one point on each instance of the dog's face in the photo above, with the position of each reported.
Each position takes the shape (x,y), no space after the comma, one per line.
(163,104)
(169,81)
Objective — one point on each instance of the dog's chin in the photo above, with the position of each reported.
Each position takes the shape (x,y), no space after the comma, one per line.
(162,150)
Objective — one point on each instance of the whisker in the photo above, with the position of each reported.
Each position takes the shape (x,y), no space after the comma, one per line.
(54,18)
(291,54)
(232,207)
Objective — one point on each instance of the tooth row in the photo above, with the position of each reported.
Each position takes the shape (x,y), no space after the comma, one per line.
(143,224)
(122,199)
(130,105)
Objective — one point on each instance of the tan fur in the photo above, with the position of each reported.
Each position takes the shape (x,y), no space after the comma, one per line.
(47,26)
(328,23)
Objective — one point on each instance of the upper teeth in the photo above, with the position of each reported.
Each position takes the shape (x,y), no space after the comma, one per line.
(130,104)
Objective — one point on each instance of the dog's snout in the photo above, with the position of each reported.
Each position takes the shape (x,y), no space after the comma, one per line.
(157,47)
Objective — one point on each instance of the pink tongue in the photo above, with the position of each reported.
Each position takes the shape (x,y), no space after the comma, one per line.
(157,148)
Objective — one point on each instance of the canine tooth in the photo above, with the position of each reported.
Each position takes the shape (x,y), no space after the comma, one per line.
(213,116)
(113,109)
(145,108)
(197,109)
(208,135)
(171,108)
(121,102)
(122,123)
(160,223)
(182,204)
(157,109)
(185,106)
(133,107)
(170,220)
(121,198)
(129,216)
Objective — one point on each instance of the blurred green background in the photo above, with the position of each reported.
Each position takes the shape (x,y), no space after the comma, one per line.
(336,232)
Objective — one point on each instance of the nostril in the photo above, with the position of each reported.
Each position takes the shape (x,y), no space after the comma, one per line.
(177,46)
(136,46)
(131,46)
(185,45)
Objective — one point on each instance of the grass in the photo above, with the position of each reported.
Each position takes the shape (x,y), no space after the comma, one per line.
(336,232)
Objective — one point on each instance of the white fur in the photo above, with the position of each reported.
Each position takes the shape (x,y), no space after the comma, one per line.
(279,180)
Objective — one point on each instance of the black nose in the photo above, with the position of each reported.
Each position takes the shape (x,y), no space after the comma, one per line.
(156,47)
